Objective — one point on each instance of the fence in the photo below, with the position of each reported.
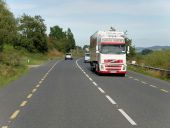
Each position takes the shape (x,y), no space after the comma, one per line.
(162,71)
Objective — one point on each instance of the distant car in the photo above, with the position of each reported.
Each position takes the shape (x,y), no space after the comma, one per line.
(86,57)
(68,56)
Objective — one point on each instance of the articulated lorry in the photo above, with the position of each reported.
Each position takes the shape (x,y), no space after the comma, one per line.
(108,52)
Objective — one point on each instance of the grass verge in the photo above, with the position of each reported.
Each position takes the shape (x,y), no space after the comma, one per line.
(10,73)
(152,73)
(15,62)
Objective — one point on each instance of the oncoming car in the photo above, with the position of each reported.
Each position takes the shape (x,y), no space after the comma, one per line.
(68,56)
(86,57)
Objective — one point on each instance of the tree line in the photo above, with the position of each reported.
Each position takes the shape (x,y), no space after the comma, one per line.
(29,32)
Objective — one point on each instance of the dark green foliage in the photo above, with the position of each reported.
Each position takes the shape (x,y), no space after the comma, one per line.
(8,28)
(61,40)
(86,46)
(32,34)
(132,48)
(146,51)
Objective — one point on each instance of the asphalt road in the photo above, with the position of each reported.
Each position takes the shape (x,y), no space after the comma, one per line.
(66,94)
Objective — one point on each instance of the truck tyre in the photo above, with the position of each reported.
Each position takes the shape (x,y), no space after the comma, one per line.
(97,70)
(122,75)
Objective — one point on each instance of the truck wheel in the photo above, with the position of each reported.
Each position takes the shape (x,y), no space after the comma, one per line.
(123,75)
(97,69)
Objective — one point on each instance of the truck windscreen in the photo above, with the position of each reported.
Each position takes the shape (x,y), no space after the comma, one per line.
(112,49)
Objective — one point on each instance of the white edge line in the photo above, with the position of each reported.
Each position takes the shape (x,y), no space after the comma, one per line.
(4,126)
(153,86)
(127,117)
(110,99)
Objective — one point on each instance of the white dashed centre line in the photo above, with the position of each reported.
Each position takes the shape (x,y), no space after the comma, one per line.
(34,90)
(101,90)
(29,96)
(23,103)
(14,115)
(127,117)
(38,85)
(95,83)
(110,99)
(90,79)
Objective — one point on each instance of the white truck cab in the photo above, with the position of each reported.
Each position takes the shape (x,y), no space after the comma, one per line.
(108,52)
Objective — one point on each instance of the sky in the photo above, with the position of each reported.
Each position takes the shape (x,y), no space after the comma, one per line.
(147,21)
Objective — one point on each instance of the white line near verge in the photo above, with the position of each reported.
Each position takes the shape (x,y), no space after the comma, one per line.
(127,117)
(4,126)
(153,86)
(110,99)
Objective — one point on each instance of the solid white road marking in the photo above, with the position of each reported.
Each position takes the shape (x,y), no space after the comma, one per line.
(110,99)
(127,117)
(101,90)
(23,103)
(14,115)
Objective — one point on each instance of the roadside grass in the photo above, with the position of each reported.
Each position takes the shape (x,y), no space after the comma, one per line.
(155,74)
(157,59)
(10,73)
(16,62)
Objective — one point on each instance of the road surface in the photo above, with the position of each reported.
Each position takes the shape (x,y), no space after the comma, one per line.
(66,94)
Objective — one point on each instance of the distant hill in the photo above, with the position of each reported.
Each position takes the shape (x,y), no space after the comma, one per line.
(154,48)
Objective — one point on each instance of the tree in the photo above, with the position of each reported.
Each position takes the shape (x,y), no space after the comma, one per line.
(32,34)
(8,28)
(146,51)
(57,32)
(132,49)
(70,40)
(86,46)
(61,40)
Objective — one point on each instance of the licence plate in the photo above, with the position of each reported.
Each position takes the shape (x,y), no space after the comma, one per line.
(112,71)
